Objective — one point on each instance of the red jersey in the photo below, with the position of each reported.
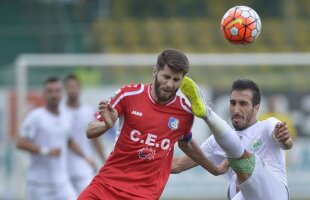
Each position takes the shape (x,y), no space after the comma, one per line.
(141,160)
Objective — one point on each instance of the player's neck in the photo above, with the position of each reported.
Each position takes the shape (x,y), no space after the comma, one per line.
(155,98)
(52,109)
(251,123)
(73,103)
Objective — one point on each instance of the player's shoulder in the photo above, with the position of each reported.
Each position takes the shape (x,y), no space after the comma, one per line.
(268,124)
(185,105)
(37,113)
(129,90)
(270,120)
(133,87)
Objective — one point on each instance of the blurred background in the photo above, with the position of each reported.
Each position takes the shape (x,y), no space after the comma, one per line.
(137,26)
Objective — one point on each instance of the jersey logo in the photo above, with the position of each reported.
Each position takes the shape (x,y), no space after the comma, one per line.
(146,153)
(136,113)
(173,123)
(234,22)
(256,145)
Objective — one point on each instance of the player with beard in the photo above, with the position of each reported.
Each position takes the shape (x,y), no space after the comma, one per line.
(46,133)
(152,118)
(255,149)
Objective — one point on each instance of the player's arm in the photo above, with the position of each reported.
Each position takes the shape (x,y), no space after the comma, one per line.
(180,164)
(25,144)
(192,150)
(100,148)
(76,149)
(282,136)
(106,119)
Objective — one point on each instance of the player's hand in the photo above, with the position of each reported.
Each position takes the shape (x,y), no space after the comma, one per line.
(281,132)
(222,168)
(282,135)
(108,113)
(54,152)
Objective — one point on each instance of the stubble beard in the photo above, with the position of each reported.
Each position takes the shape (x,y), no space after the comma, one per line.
(162,98)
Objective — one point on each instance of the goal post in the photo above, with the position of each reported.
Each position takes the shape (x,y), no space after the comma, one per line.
(26,61)
(294,66)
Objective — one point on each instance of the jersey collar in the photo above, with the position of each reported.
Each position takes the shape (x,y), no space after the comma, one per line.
(153,101)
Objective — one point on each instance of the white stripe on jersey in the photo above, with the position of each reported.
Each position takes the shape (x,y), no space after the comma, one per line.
(119,129)
(184,106)
(128,94)
(171,102)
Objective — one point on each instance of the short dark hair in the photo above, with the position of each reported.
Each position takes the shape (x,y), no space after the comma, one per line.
(244,84)
(71,77)
(174,59)
(51,79)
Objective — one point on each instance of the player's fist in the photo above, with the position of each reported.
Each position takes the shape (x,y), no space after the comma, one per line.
(282,136)
(107,113)
(281,132)
(54,152)
(221,168)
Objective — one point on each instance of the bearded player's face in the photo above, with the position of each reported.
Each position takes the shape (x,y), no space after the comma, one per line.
(167,83)
(73,90)
(242,111)
(52,94)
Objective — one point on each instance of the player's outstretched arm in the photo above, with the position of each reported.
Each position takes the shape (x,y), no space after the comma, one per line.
(282,136)
(108,116)
(25,144)
(180,164)
(77,150)
(100,148)
(192,150)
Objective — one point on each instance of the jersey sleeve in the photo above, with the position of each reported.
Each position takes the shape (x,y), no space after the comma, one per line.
(187,136)
(118,100)
(270,124)
(212,149)
(29,126)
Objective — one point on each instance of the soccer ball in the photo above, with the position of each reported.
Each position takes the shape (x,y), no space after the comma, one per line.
(241,25)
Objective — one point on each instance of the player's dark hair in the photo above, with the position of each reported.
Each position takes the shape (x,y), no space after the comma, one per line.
(71,77)
(174,59)
(244,84)
(51,79)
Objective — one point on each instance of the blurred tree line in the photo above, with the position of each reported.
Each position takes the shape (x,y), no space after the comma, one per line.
(141,9)
(79,26)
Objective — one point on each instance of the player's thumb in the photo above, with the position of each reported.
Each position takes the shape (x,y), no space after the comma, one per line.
(110,108)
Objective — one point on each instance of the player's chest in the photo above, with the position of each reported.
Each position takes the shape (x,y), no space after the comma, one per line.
(253,143)
(151,118)
(54,126)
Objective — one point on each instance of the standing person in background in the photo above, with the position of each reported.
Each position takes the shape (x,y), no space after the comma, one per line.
(80,171)
(45,133)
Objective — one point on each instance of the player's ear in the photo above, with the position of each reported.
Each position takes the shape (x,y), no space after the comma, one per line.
(154,71)
(256,108)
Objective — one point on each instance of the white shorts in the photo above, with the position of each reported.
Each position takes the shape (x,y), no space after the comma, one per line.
(262,184)
(38,191)
(80,183)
